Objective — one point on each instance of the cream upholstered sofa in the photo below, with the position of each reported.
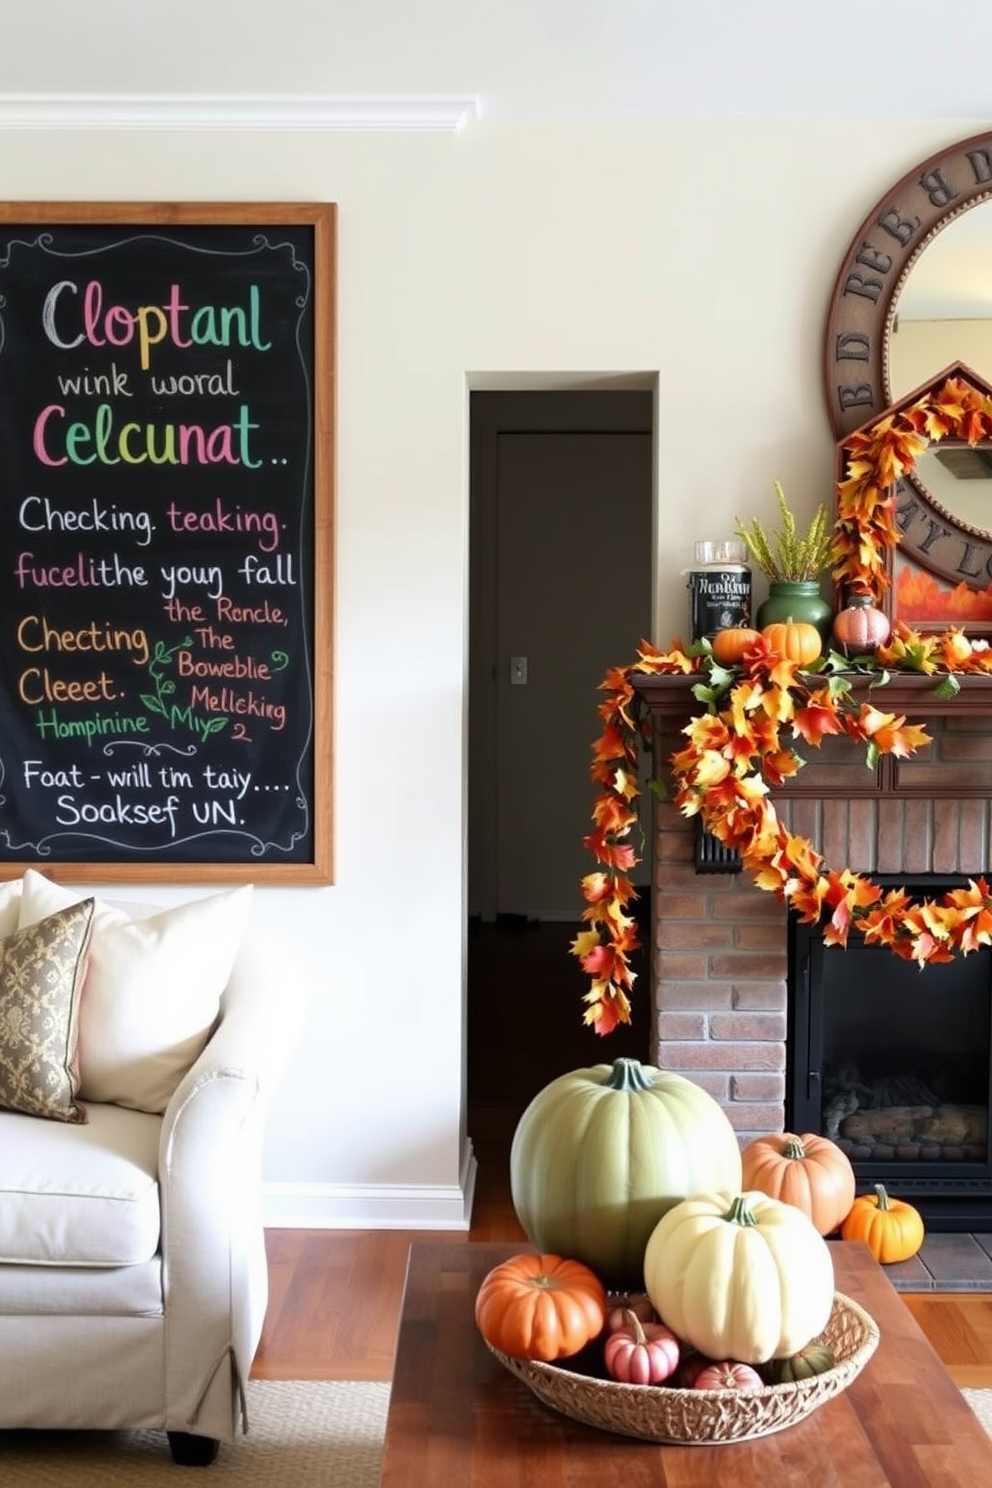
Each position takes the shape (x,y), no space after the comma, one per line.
(137,1055)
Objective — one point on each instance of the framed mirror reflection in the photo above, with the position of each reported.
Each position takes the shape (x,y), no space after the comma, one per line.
(911,302)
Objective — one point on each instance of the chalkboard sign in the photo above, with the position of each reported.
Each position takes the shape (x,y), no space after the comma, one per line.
(166,433)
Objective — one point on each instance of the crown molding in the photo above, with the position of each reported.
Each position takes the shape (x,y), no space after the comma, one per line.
(313,113)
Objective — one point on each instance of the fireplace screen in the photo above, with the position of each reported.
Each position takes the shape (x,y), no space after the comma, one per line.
(893,1063)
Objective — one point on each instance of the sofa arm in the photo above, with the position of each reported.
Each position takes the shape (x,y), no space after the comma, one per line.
(214,1272)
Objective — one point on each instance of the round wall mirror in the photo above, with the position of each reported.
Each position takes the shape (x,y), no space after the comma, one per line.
(914,296)
(942,313)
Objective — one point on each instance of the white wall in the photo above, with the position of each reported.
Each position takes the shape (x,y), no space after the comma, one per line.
(701,252)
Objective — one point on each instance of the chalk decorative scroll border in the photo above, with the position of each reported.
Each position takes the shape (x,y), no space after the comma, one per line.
(267,217)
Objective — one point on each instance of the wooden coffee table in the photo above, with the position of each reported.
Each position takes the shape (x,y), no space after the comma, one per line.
(458,1419)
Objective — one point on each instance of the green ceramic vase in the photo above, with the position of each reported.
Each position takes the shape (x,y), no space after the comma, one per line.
(797,599)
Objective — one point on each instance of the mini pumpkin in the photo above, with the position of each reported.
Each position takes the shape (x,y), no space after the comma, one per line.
(809,1171)
(892,1229)
(860,627)
(815,1358)
(641,1353)
(540,1307)
(729,646)
(795,640)
(728,1374)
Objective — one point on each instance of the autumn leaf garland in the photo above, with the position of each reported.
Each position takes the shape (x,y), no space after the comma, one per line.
(878,457)
(738,750)
(741,746)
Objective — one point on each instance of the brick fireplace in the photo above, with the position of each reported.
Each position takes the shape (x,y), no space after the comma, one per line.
(720,952)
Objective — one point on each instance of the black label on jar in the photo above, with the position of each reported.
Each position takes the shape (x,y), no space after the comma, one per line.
(719,598)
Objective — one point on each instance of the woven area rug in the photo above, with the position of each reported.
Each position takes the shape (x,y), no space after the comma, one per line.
(303,1435)
(981,1403)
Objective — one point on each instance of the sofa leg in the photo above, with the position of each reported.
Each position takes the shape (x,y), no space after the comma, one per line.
(192,1451)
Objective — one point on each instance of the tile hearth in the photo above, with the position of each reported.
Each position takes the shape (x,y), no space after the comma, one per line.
(950,1262)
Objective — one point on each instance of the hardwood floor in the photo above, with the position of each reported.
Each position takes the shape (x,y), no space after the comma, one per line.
(335,1295)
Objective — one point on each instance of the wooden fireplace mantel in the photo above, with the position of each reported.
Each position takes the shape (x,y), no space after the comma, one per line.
(956,764)
(905,692)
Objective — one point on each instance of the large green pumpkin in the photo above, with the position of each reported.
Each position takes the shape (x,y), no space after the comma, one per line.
(601,1154)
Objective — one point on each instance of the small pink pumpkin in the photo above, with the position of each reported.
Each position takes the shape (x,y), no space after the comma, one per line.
(641,1353)
(860,627)
(728,1375)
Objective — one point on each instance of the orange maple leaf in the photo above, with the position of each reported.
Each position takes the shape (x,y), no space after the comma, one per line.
(607,1007)
(613,815)
(780,766)
(889,732)
(817,719)
(884,921)
(619,855)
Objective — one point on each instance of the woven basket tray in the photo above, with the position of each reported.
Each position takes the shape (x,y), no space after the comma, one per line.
(661,1413)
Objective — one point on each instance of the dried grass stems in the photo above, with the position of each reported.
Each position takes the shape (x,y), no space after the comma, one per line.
(786,555)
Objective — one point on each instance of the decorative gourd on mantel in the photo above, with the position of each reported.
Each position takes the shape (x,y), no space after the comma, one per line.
(861,627)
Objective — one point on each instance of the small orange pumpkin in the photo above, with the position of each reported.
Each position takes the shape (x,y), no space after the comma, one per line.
(796,640)
(810,1172)
(540,1307)
(891,1228)
(730,645)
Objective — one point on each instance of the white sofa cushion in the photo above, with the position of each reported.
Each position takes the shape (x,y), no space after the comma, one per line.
(79,1195)
(152,991)
(82,1291)
(10,905)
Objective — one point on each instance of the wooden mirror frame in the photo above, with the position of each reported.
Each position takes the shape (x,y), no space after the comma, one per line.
(859,322)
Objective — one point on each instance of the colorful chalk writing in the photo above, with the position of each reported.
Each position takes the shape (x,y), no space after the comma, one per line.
(157,527)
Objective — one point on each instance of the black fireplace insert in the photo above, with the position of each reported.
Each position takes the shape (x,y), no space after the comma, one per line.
(894,1063)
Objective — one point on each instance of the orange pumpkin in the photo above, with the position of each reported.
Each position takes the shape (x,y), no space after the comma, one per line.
(810,1172)
(540,1307)
(891,1228)
(730,645)
(796,640)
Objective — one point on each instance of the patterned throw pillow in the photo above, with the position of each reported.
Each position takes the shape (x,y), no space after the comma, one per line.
(41,976)
(153,988)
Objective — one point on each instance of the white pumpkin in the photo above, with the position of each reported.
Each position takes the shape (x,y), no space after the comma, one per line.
(740,1276)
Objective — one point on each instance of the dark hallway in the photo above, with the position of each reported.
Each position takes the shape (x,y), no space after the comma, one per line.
(525,1023)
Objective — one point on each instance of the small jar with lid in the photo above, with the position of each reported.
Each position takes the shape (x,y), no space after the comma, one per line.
(719,587)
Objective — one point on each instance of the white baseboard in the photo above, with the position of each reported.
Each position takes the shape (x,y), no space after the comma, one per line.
(372,1206)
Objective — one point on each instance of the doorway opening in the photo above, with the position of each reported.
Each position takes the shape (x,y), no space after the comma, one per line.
(561,588)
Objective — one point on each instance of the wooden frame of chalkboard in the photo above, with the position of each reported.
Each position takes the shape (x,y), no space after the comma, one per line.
(167,404)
